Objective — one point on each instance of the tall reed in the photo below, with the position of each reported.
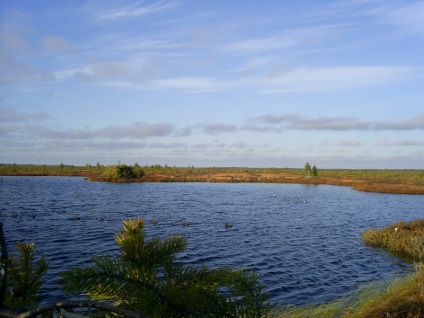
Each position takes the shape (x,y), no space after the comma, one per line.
(399,297)
(404,239)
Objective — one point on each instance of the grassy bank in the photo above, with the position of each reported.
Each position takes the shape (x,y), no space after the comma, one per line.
(402,297)
(382,181)
(404,239)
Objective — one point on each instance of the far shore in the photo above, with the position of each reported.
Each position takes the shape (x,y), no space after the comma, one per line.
(368,180)
(365,185)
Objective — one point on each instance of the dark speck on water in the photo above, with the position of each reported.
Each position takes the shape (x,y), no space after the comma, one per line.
(305,253)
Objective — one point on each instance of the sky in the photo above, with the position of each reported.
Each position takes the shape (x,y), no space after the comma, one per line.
(338,84)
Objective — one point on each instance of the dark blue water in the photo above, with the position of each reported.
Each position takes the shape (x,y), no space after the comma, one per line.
(308,250)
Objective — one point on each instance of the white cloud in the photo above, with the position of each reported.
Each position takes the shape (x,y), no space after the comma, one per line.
(331,78)
(191,84)
(136,9)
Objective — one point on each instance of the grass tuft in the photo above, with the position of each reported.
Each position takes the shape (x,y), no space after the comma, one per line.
(401,297)
(403,239)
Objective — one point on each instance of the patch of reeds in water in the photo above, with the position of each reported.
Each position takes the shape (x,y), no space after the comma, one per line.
(403,239)
(401,297)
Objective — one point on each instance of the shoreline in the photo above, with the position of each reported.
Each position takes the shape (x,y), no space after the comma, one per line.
(375,181)
(355,185)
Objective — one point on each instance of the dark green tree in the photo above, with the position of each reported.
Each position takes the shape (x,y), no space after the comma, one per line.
(24,277)
(315,171)
(145,278)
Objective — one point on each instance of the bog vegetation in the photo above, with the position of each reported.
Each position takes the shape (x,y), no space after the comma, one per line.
(401,297)
(383,181)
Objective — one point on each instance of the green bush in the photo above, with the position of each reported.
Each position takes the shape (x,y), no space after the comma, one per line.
(122,172)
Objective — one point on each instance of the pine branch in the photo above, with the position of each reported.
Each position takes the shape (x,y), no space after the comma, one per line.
(4,260)
(70,304)
(112,280)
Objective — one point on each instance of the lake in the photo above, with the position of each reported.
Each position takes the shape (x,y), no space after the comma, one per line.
(304,240)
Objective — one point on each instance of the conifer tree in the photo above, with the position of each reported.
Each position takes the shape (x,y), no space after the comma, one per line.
(145,278)
(315,171)
(24,277)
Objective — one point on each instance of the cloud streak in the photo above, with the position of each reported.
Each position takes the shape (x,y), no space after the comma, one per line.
(300,122)
(136,9)
(261,124)
(11,115)
(137,130)
(332,78)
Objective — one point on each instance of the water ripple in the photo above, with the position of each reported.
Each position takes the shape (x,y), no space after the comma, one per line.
(305,241)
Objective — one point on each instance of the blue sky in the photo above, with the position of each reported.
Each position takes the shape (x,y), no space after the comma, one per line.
(213,83)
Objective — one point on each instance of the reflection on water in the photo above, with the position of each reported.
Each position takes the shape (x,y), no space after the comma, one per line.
(303,240)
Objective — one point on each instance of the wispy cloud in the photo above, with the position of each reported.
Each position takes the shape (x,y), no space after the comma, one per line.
(16,72)
(173,145)
(58,44)
(136,9)
(191,84)
(213,129)
(416,122)
(406,15)
(143,77)
(405,142)
(261,124)
(331,78)
(71,145)
(11,115)
(300,122)
(13,28)
(137,130)
(258,45)
(350,143)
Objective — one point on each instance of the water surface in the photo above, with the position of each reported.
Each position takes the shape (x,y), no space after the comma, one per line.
(303,239)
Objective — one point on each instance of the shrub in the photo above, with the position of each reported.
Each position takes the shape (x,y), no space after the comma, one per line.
(122,172)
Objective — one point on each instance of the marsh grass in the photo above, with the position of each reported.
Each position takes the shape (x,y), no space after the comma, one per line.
(400,297)
(405,239)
